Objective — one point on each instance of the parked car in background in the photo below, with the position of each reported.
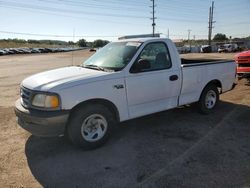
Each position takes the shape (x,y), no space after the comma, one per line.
(228,48)
(12,50)
(206,49)
(243,63)
(8,51)
(2,52)
(35,50)
(25,50)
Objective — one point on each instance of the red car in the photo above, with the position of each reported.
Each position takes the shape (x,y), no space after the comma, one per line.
(243,63)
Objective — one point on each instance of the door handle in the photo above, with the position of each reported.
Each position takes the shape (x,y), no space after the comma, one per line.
(173,77)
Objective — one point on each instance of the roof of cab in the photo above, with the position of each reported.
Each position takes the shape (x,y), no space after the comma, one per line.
(142,39)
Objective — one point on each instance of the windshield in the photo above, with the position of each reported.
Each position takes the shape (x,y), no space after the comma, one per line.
(114,56)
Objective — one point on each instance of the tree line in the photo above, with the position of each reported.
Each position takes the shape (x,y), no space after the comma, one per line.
(81,43)
(95,44)
(222,37)
(219,37)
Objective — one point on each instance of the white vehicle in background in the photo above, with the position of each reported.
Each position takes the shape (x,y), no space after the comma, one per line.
(2,52)
(121,81)
(206,49)
(228,48)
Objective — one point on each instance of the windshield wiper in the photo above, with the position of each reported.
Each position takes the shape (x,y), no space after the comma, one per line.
(97,68)
(94,67)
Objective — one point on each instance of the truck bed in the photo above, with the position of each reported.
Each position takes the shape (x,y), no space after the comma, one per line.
(196,73)
(198,62)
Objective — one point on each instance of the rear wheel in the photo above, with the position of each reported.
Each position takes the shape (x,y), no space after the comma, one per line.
(209,99)
(90,126)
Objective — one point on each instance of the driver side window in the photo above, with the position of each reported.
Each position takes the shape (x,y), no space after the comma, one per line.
(154,56)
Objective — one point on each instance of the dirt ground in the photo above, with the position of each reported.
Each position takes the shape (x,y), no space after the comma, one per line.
(175,148)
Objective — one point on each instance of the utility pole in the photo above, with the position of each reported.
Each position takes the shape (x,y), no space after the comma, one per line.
(189,30)
(194,43)
(72,53)
(153,18)
(168,33)
(210,22)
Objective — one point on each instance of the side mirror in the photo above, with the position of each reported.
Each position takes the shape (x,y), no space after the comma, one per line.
(141,65)
(92,50)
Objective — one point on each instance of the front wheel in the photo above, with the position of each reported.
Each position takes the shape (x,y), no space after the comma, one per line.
(90,126)
(209,99)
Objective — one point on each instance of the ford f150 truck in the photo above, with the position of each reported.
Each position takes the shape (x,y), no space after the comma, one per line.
(123,80)
(243,63)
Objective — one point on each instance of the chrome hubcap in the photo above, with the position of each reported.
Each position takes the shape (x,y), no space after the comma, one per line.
(210,99)
(94,127)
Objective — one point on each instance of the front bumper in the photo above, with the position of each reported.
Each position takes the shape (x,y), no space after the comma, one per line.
(41,123)
(245,70)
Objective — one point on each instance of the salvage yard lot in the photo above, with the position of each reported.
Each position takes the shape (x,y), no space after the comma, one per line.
(175,148)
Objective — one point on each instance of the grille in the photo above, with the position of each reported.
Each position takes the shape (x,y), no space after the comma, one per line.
(243,60)
(25,97)
(244,65)
(244,57)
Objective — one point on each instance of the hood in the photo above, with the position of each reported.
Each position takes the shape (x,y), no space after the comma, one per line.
(245,53)
(242,54)
(50,79)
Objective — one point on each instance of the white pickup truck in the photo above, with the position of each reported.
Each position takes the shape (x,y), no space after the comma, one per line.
(123,80)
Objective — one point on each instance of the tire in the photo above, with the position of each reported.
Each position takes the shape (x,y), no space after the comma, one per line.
(90,126)
(239,76)
(209,99)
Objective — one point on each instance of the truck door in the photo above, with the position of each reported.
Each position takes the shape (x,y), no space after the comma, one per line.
(153,83)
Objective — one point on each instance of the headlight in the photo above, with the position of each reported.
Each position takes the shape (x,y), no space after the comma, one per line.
(46,101)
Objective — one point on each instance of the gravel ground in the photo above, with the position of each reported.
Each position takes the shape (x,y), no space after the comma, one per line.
(175,148)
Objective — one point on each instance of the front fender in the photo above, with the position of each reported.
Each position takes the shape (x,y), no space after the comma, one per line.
(105,90)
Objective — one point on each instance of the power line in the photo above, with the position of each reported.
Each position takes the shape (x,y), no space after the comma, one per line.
(189,30)
(181,20)
(134,3)
(49,35)
(182,7)
(37,7)
(69,16)
(116,5)
(100,20)
(101,36)
(91,5)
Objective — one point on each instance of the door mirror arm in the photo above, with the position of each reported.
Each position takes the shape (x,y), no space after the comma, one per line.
(140,65)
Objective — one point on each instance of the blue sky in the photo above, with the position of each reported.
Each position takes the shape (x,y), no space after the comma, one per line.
(108,19)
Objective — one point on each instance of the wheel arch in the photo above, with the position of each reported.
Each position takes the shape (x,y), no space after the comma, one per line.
(215,82)
(201,104)
(110,105)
